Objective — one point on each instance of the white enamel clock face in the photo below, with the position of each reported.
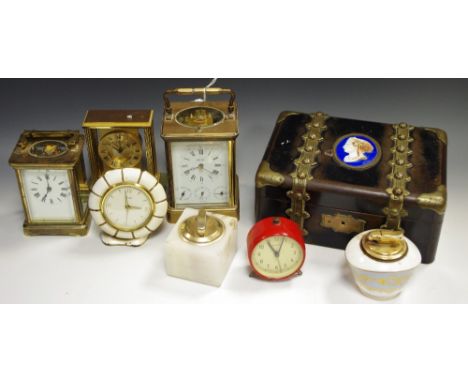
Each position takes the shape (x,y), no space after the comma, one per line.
(277,257)
(200,173)
(48,195)
(127,207)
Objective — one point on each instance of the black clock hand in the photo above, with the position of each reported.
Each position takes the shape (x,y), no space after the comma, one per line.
(48,189)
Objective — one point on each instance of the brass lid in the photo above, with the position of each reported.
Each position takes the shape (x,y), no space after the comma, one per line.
(384,245)
(201,228)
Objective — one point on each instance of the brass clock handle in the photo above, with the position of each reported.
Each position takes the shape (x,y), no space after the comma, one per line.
(193,91)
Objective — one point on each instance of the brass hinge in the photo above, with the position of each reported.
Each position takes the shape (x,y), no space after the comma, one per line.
(306,162)
(398,176)
(267,177)
(435,201)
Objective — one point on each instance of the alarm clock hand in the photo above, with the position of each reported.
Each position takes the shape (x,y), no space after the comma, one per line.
(273,250)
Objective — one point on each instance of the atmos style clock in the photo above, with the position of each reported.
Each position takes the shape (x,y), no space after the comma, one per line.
(276,249)
(128,205)
(52,181)
(120,139)
(200,140)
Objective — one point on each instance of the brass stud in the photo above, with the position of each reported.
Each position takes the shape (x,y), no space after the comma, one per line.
(312,136)
(302,175)
(402,137)
(400,162)
(316,124)
(306,161)
(398,191)
(319,114)
(401,148)
(403,125)
(308,148)
(399,175)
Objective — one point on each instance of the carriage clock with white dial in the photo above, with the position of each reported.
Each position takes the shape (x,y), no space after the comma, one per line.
(128,205)
(200,139)
(51,176)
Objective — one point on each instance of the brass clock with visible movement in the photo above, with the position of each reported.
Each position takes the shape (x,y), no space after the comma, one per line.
(200,140)
(120,139)
(51,176)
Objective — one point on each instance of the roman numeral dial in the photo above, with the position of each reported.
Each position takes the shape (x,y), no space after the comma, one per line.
(200,172)
(48,194)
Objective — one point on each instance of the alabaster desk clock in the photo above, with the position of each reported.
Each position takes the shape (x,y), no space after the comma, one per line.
(52,181)
(200,140)
(120,139)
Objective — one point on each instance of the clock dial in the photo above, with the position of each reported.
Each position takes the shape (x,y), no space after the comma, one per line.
(200,172)
(48,195)
(127,207)
(120,149)
(277,257)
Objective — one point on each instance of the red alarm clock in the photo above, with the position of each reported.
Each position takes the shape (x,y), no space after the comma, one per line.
(276,248)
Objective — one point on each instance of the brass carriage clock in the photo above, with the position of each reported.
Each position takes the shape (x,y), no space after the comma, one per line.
(51,176)
(120,139)
(200,140)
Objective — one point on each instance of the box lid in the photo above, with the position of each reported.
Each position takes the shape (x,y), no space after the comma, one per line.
(334,183)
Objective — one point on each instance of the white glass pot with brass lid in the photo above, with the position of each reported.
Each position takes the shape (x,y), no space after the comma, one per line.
(128,205)
(382,261)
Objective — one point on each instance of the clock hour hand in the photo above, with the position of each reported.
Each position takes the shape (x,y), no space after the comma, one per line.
(274,252)
(133,208)
(48,189)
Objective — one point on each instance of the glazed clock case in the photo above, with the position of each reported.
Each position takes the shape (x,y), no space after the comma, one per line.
(310,172)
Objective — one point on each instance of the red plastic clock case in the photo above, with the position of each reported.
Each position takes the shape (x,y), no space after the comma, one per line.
(274,226)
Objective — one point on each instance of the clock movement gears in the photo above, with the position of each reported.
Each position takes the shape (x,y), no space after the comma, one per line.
(200,117)
(48,149)
(128,205)
(119,149)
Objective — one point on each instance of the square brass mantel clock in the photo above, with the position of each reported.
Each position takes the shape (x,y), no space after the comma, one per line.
(120,139)
(200,139)
(51,176)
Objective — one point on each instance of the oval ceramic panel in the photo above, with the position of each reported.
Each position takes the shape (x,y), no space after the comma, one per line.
(357,151)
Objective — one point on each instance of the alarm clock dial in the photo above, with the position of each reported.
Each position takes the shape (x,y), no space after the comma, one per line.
(127,207)
(48,195)
(277,257)
(200,173)
(120,149)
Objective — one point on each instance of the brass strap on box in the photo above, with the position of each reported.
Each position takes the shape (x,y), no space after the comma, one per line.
(398,176)
(305,163)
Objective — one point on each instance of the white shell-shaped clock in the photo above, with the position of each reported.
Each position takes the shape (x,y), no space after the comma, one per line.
(128,205)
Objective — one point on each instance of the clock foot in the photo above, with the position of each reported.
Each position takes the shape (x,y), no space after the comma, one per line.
(112,241)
